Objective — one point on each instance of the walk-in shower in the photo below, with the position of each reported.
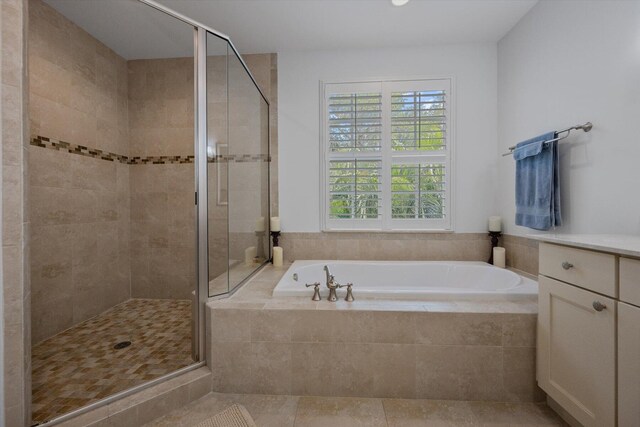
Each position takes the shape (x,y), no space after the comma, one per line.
(149,185)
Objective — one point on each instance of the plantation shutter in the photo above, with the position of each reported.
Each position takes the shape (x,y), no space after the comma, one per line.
(418,120)
(354,161)
(418,191)
(387,156)
(354,188)
(355,122)
(419,156)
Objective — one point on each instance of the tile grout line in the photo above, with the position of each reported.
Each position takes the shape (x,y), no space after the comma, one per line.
(295,417)
(384,411)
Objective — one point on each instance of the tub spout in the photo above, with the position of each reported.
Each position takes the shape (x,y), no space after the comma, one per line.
(332,285)
(329,277)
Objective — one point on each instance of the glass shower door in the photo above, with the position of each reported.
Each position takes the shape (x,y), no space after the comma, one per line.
(217,165)
(237,170)
(248,170)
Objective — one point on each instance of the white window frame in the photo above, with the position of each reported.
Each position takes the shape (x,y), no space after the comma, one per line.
(385,223)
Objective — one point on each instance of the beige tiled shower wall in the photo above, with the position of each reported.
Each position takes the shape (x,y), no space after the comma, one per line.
(161,118)
(162,209)
(79,204)
(106,231)
(16,289)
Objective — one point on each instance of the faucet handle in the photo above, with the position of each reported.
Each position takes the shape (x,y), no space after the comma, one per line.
(316,290)
(349,297)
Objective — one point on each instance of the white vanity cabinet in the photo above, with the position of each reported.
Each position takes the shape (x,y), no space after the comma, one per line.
(588,350)
(576,355)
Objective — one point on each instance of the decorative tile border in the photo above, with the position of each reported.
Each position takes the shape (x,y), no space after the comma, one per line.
(160,160)
(54,144)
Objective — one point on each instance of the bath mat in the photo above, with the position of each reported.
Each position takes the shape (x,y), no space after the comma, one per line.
(234,416)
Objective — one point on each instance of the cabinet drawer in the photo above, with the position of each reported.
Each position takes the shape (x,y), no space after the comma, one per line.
(630,281)
(590,270)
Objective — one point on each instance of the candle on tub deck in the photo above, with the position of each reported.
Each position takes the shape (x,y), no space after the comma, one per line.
(260,225)
(249,254)
(499,257)
(495,223)
(275,223)
(277,256)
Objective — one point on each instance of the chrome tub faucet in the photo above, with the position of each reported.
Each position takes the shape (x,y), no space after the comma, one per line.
(332,285)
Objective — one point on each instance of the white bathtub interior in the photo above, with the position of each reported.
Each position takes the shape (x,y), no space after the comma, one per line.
(420,280)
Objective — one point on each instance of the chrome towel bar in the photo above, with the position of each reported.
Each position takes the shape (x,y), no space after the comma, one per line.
(585,127)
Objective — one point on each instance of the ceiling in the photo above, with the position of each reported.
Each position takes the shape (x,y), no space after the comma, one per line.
(260,26)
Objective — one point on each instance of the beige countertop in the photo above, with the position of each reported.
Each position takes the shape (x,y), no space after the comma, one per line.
(257,294)
(620,244)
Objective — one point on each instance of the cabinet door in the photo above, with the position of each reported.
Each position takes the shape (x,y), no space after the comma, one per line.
(576,351)
(628,365)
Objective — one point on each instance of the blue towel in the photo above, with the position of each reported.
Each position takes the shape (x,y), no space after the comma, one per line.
(538,183)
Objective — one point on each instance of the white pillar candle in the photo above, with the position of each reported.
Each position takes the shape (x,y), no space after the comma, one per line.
(495,223)
(499,257)
(277,256)
(275,223)
(249,254)
(260,224)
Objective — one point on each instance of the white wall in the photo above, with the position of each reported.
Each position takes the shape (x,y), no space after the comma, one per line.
(566,63)
(474,70)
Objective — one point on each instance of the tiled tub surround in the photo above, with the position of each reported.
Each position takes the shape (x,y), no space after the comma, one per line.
(521,252)
(456,350)
(80,366)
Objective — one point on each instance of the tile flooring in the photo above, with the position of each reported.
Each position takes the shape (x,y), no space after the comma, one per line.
(288,411)
(80,365)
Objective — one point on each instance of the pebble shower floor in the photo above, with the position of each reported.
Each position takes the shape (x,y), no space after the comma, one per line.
(80,365)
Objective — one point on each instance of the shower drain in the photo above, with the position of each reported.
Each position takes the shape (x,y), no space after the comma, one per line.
(123,344)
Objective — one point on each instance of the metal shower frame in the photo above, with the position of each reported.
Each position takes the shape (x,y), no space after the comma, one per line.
(200,77)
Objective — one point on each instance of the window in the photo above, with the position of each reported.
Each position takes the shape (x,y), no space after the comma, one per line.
(387,155)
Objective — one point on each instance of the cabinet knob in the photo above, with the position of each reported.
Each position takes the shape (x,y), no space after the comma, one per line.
(598,306)
(567,265)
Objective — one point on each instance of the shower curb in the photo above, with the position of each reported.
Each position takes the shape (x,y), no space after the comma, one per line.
(148,404)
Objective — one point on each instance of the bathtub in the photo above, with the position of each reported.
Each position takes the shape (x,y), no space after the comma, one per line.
(409,280)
